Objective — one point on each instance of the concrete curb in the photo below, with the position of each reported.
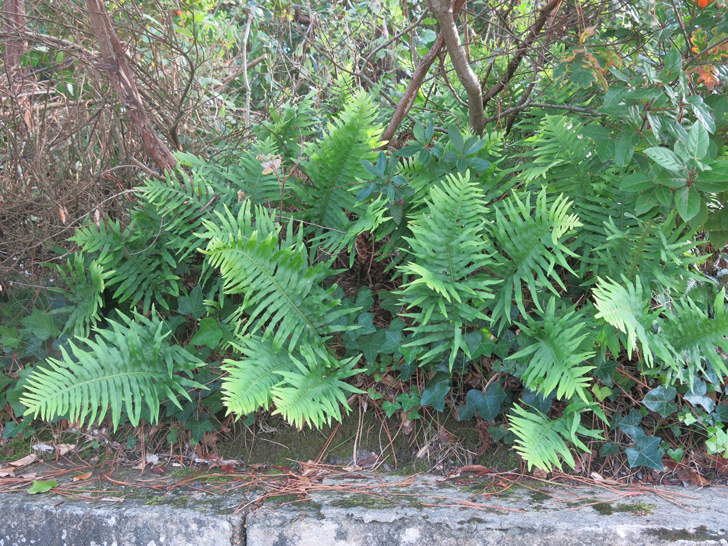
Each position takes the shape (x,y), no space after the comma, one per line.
(381,511)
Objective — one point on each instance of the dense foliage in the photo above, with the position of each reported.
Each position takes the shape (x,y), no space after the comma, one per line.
(559,276)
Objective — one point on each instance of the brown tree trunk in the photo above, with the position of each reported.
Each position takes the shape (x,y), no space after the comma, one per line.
(14,11)
(443,11)
(122,79)
(405,103)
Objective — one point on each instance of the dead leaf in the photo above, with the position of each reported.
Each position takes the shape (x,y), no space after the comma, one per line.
(227,468)
(407,425)
(540,473)
(83,476)
(30,476)
(475,468)
(601,479)
(46,448)
(6,473)
(161,470)
(9,452)
(25,460)
(690,476)
(63,449)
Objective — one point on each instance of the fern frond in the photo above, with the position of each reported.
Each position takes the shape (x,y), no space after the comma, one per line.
(531,249)
(625,308)
(85,294)
(335,170)
(281,290)
(561,346)
(313,392)
(125,366)
(541,440)
(247,175)
(250,379)
(695,335)
(448,249)
(143,265)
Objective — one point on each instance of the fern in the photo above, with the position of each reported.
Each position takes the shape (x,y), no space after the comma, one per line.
(281,292)
(530,250)
(141,265)
(130,363)
(562,344)
(446,284)
(313,391)
(251,178)
(85,294)
(625,308)
(250,380)
(540,440)
(694,336)
(335,170)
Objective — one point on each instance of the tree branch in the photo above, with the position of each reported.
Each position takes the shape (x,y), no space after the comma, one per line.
(521,51)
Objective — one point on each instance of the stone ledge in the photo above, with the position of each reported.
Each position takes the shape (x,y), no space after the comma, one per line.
(381,511)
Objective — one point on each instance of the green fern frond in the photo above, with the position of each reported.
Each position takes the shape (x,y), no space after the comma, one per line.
(143,264)
(444,279)
(336,171)
(313,392)
(560,154)
(125,366)
(540,440)
(86,291)
(247,175)
(562,344)
(282,292)
(695,335)
(531,249)
(248,384)
(625,308)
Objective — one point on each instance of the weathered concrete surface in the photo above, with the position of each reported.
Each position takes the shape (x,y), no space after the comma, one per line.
(381,511)
(26,520)
(337,519)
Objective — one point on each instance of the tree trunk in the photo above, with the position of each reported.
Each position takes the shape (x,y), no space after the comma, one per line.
(405,103)
(14,25)
(122,79)
(443,11)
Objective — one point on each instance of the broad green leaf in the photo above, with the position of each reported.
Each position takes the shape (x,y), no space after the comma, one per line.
(487,405)
(635,182)
(11,337)
(209,333)
(42,487)
(647,453)
(192,304)
(698,140)
(665,158)
(687,202)
(41,325)
(661,399)
(437,388)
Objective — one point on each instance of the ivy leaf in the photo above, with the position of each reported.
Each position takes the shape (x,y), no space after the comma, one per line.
(647,453)
(661,400)
(437,388)
(721,412)
(10,337)
(198,429)
(41,325)
(688,202)
(390,408)
(630,425)
(696,396)
(209,333)
(665,158)
(42,487)
(192,304)
(364,299)
(487,405)
(537,400)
